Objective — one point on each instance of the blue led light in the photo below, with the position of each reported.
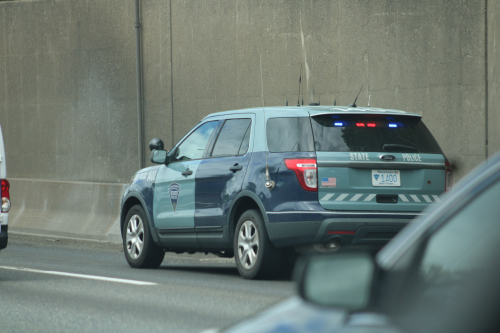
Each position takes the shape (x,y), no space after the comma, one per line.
(338,124)
(393,125)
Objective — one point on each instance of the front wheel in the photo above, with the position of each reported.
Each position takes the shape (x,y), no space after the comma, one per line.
(255,256)
(138,245)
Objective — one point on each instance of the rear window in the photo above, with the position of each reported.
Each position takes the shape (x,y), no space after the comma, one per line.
(373,133)
(289,134)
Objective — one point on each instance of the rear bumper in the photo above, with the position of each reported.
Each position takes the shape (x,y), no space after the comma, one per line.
(372,228)
(4,237)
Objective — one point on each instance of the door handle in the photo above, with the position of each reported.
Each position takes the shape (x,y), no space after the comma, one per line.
(187,172)
(236,167)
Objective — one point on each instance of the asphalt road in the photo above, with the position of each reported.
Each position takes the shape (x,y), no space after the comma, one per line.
(60,285)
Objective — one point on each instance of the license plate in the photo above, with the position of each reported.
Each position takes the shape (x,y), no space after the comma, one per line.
(386,178)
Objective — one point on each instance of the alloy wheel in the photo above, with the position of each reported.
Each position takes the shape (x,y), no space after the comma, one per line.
(248,244)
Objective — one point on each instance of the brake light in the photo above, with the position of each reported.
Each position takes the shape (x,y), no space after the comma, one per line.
(5,194)
(448,175)
(306,171)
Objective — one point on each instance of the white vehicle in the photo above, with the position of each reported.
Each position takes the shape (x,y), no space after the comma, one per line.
(5,195)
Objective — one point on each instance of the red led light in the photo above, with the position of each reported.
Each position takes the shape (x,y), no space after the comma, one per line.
(360,124)
(371,125)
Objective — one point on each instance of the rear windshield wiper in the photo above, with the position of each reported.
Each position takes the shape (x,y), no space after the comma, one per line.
(395,148)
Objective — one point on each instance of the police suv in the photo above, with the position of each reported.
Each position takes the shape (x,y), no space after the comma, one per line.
(265,183)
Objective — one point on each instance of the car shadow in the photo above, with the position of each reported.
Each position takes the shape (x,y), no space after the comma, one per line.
(227,271)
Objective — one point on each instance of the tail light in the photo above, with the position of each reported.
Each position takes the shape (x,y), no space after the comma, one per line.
(306,171)
(448,175)
(5,194)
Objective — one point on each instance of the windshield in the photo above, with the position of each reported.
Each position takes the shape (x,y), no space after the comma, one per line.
(372,133)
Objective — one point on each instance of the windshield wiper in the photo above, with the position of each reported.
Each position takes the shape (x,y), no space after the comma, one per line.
(395,148)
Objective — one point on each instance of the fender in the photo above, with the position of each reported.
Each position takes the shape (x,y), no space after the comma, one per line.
(136,195)
(230,216)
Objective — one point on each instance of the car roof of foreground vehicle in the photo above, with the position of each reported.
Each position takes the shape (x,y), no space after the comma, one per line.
(293,111)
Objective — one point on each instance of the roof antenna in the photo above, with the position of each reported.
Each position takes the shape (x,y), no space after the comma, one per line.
(334,102)
(369,96)
(269,183)
(300,81)
(286,99)
(353,105)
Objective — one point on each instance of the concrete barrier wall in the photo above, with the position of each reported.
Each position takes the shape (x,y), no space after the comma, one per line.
(73,209)
(68,93)
(493,67)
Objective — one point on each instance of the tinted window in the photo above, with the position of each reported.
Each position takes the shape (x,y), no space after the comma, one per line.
(245,143)
(289,134)
(459,247)
(231,138)
(373,133)
(193,146)
(460,257)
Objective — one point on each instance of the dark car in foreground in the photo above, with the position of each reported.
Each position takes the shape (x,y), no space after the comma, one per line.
(440,274)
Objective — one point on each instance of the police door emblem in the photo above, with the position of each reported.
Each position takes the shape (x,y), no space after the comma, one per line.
(174,189)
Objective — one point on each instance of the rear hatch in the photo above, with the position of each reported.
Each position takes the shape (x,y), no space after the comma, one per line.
(374,162)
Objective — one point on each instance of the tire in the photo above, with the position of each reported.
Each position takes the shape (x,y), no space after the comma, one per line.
(255,256)
(138,245)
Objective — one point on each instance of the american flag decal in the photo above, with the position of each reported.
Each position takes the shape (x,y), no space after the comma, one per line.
(330,182)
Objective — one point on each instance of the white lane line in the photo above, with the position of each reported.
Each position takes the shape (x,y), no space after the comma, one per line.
(436,198)
(81,276)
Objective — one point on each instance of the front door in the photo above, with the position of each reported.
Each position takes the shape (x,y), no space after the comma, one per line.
(174,194)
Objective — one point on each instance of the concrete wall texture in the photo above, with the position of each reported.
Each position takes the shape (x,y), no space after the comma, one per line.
(68,100)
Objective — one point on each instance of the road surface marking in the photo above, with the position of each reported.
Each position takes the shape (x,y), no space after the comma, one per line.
(81,276)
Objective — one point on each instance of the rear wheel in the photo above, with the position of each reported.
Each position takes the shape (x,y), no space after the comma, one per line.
(255,256)
(138,245)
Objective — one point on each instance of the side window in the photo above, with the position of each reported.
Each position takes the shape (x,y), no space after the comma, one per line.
(233,138)
(460,246)
(193,146)
(289,134)
(455,261)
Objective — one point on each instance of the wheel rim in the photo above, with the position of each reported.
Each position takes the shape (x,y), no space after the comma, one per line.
(135,236)
(248,244)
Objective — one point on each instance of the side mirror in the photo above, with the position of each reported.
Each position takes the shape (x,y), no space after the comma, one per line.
(158,156)
(340,280)
(156,144)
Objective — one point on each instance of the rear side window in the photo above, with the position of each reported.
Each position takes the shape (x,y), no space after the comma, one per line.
(233,138)
(289,134)
(373,133)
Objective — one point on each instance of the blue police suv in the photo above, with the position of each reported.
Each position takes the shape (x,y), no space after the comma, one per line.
(264,184)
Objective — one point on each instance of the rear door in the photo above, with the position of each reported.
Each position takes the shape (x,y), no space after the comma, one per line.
(220,175)
(376,162)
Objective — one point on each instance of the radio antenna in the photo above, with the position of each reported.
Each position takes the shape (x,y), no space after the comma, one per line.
(300,81)
(353,105)
(269,183)
(369,96)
